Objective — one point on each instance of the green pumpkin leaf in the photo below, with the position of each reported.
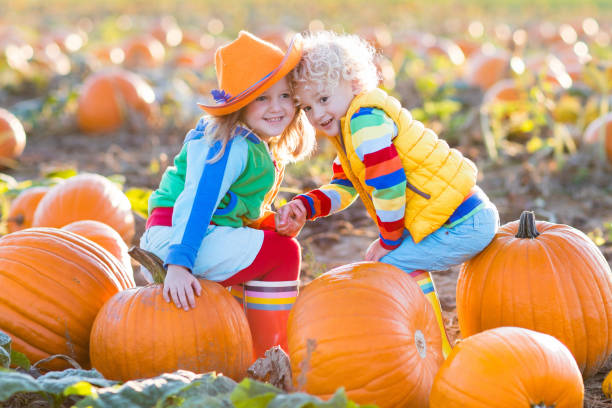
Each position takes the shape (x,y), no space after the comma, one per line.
(253,394)
(166,390)
(55,382)
(20,360)
(14,382)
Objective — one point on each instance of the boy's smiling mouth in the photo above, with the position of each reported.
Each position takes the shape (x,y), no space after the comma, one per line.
(327,122)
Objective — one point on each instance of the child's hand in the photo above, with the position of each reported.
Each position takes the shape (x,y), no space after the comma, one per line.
(376,251)
(290,218)
(180,284)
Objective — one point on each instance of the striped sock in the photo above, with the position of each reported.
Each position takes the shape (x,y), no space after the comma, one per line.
(423,278)
(267,309)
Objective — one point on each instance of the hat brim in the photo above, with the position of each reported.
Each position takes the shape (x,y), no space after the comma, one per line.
(290,60)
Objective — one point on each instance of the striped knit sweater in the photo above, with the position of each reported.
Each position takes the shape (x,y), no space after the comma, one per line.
(372,133)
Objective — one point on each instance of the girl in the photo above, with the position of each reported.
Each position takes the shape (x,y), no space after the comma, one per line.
(421,193)
(210,216)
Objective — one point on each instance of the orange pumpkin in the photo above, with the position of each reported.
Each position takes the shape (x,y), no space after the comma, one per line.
(542,276)
(366,327)
(53,284)
(145,51)
(508,367)
(504,90)
(86,197)
(104,236)
(109,98)
(137,334)
(484,70)
(12,135)
(600,132)
(21,212)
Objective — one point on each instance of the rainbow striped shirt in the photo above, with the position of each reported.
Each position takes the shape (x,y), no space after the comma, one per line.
(372,133)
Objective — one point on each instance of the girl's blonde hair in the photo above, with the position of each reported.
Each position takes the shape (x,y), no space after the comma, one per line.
(329,57)
(295,143)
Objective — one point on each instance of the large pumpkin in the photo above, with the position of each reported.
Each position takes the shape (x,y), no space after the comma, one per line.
(12,135)
(109,98)
(86,197)
(366,327)
(53,284)
(508,367)
(542,276)
(137,334)
(104,236)
(21,211)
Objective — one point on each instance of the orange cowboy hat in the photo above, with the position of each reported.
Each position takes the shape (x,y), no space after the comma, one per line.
(246,68)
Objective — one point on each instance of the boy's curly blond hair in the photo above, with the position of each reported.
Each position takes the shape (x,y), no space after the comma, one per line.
(329,57)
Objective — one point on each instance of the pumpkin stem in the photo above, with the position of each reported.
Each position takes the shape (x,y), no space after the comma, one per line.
(527,226)
(150,261)
(18,219)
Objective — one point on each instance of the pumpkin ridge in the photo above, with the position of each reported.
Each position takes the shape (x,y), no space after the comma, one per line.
(546,240)
(80,241)
(584,329)
(73,291)
(32,288)
(464,394)
(384,296)
(16,311)
(120,275)
(568,332)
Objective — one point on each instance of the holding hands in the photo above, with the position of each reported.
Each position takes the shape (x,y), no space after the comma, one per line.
(180,285)
(375,251)
(290,218)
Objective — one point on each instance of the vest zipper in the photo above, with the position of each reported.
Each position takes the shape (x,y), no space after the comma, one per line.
(417,191)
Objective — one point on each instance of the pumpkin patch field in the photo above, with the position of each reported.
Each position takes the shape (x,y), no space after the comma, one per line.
(96,98)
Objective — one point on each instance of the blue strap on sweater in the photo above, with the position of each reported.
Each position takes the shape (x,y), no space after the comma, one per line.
(205,200)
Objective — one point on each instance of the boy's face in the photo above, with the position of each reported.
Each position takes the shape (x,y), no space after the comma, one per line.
(324,109)
(272,111)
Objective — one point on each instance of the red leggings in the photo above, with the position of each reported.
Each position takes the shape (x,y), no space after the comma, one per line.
(277,260)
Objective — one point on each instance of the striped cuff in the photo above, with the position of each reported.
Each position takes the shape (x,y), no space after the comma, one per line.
(262,295)
(308,204)
(390,244)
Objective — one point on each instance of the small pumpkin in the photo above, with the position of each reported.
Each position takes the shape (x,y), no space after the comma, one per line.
(105,236)
(599,132)
(504,90)
(484,70)
(545,277)
(21,211)
(508,367)
(53,284)
(86,197)
(137,334)
(606,385)
(366,327)
(12,136)
(110,98)
(144,51)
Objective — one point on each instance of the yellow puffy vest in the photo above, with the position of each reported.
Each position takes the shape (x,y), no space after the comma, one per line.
(438,177)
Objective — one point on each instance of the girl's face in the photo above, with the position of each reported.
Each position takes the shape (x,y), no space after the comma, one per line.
(324,109)
(272,111)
